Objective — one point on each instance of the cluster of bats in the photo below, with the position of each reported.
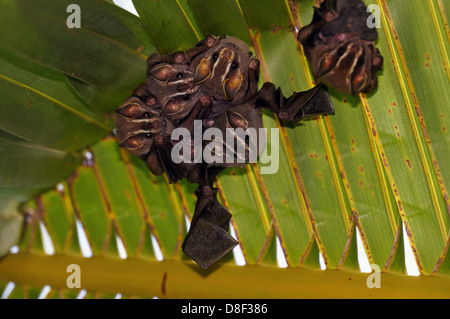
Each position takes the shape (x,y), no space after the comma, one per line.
(216,82)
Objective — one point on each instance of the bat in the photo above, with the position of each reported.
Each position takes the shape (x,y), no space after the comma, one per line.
(340,46)
(214,82)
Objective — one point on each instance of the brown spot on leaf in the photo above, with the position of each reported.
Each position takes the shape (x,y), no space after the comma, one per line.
(408,162)
(383,158)
(398,132)
(416,102)
(291,77)
(395,191)
(276,29)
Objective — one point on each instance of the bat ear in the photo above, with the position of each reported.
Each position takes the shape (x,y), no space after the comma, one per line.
(232,85)
(160,73)
(138,144)
(133,142)
(236,120)
(326,63)
(134,107)
(203,71)
(129,110)
(173,107)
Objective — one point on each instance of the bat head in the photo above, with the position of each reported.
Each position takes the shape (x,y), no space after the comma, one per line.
(340,48)
(136,124)
(170,83)
(226,68)
(350,66)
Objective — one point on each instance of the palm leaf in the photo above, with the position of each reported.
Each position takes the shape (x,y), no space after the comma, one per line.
(378,165)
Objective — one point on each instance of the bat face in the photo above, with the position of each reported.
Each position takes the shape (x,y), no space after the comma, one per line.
(226,69)
(172,84)
(350,66)
(340,47)
(137,123)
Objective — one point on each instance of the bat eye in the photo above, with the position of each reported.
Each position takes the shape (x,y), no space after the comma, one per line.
(234,65)
(148,135)
(215,56)
(146,114)
(179,75)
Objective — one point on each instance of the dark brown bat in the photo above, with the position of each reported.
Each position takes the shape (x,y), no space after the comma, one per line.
(340,48)
(225,67)
(214,82)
